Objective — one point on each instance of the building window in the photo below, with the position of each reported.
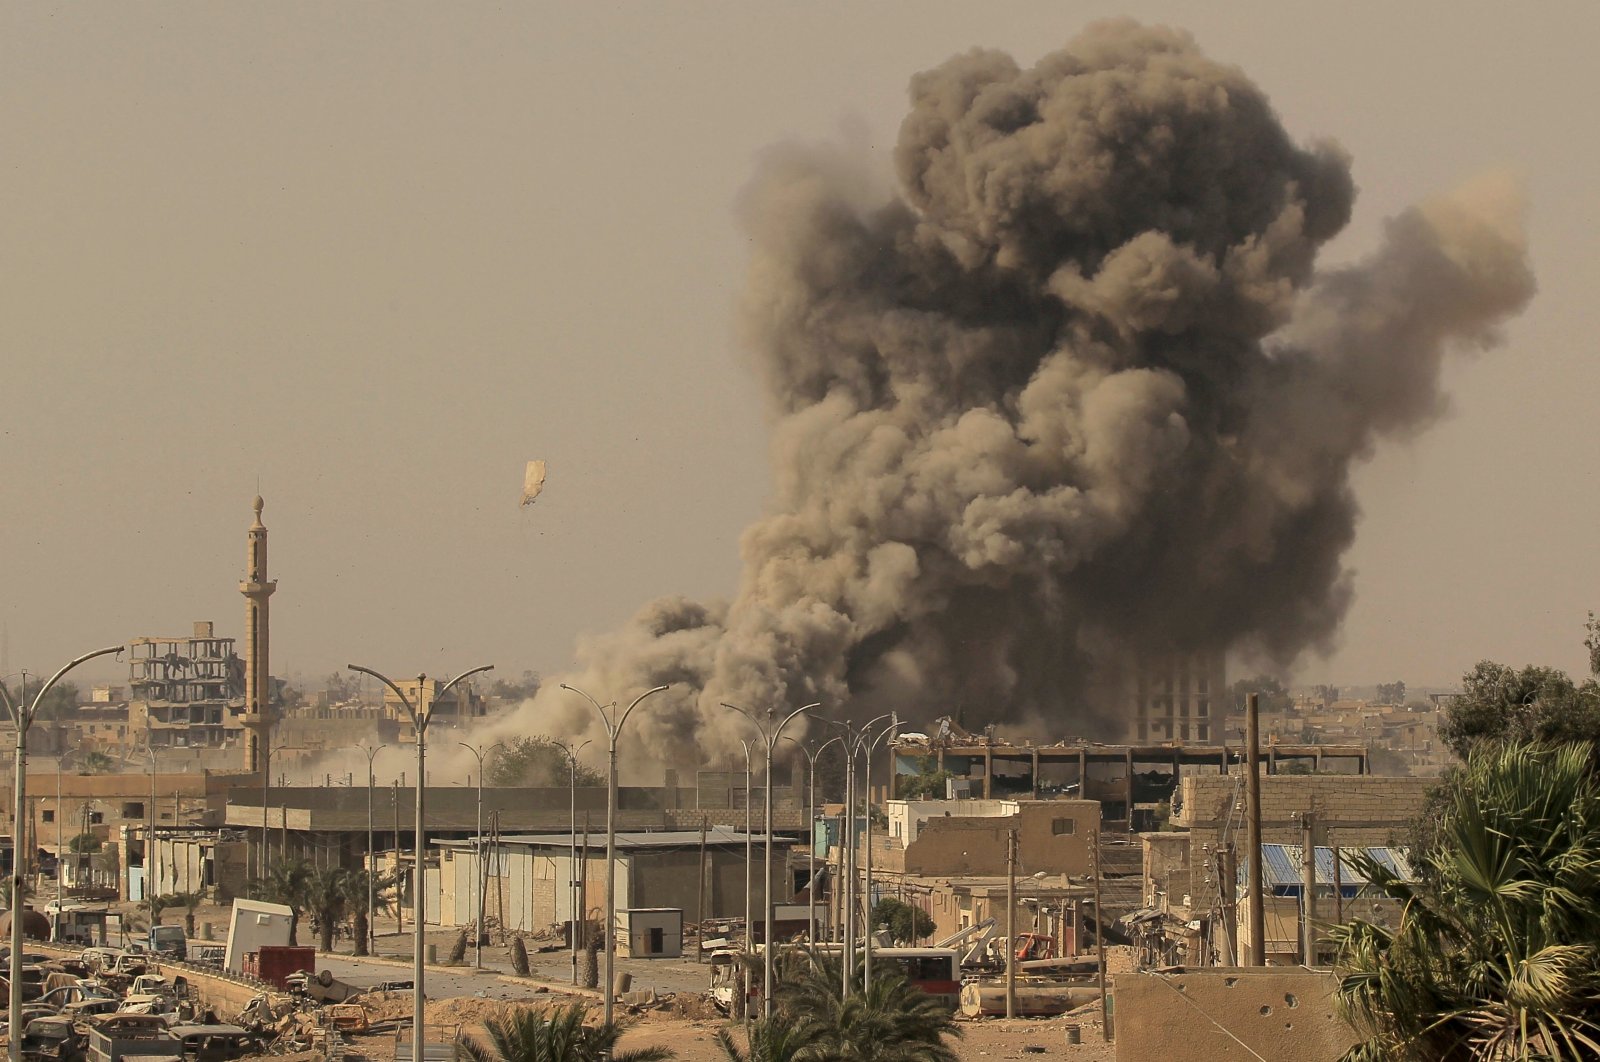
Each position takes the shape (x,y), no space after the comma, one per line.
(133,809)
(1205,733)
(48,815)
(1061,827)
(1202,708)
(97,818)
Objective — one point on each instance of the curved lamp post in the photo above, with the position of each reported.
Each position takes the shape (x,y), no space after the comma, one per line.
(812,754)
(24,714)
(769,737)
(612,729)
(847,869)
(478,875)
(749,869)
(573,900)
(866,954)
(419,714)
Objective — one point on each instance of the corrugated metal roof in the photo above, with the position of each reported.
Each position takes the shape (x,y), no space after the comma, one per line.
(1280,867)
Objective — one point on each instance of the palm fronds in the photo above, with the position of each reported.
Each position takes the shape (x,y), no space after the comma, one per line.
(1497,953)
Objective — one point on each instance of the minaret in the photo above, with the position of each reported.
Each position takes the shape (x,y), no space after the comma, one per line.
(257,588)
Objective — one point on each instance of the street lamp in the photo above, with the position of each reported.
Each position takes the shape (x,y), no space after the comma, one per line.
(152,876)
(372,922)
(477,873)
(866,955)
(811,810)
(573,899)
(24,714)
(612,729)
(847,855)
(749,867)
(769,735)
(419,720)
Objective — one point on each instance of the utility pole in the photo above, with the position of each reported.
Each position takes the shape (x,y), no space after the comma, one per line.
(1011,923)
(1338,886)
(1100,939)
(1257,910)
(1227,883)
(1308,888)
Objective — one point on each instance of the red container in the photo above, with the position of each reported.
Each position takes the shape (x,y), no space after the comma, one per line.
(273,963)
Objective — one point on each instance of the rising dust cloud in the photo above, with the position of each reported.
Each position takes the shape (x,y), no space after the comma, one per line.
(1074,391)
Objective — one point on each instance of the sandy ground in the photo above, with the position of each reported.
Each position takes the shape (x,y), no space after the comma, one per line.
(687,1024)
(693,1039)
(993,1039)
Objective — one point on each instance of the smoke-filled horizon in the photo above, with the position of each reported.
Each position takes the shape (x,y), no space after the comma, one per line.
(1072,393)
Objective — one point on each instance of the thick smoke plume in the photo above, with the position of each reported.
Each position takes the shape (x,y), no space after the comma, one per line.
(1075,393)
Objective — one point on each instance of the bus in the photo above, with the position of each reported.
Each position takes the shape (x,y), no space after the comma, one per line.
(936,971)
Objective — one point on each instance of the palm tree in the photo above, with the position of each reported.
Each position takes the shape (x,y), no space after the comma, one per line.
(285,883)
(355,901)
(153,905)
(780,1038)
(327,898)
(1497,954)
(520,1034)
(892,1021)
(188,901)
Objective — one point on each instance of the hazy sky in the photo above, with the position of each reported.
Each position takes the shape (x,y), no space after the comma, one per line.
(375,257)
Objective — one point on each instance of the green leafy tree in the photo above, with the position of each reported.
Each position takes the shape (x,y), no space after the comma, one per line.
(907,923)
(1392,692)
(892,1021)
(84,842)
(58,703)
(521,1034)
(342,686)
(285,882)
(928,783)
(96,762)
(1500,704)
(1497,953)
(1272,697)
(535,761)
(515,691)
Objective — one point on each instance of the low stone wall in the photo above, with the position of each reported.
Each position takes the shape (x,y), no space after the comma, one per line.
(1223,1014)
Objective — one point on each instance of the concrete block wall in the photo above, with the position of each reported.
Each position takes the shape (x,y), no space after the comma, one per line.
(1355,810)
(1223,1014)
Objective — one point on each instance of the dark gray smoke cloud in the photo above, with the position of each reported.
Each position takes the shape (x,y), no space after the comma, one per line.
(1075,393)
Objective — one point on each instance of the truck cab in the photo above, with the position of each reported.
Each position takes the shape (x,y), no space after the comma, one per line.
(169,941)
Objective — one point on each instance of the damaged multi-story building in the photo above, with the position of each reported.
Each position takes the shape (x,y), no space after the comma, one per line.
(186,692)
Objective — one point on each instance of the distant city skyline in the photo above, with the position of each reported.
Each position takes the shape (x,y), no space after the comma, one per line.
(369,264)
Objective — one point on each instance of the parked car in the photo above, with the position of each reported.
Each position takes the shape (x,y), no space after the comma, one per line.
(53,1039)
(216,1043)
(88,1008)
